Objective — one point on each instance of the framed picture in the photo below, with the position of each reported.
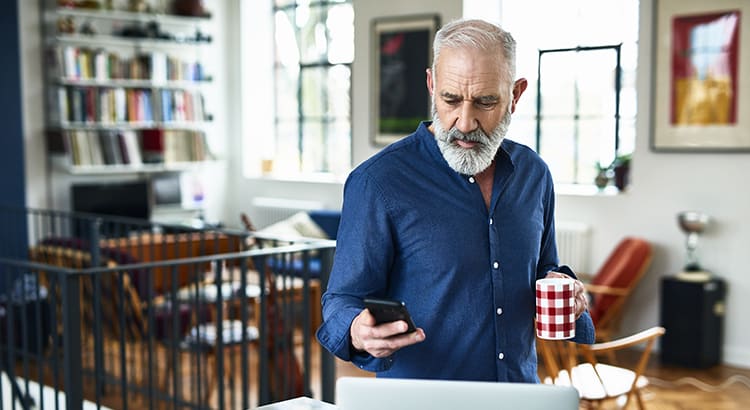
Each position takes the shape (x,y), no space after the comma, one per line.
(401,52)
(701,78)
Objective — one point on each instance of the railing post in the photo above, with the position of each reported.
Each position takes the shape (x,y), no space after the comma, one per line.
(264,328)
(327,363)
(94,228)
(72,368)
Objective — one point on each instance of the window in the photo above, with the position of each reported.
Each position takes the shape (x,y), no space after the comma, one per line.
(573,142)
(312,56)
(578,110)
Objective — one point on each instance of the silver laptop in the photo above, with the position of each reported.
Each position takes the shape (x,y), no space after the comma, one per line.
(369,393)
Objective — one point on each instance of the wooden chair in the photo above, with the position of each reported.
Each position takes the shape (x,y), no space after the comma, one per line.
(569,364)
(614,282)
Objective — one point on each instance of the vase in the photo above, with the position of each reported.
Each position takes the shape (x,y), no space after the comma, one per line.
(601,179)
(622,176)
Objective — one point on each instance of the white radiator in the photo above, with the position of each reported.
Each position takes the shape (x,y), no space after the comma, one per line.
(266,211)
(573,245)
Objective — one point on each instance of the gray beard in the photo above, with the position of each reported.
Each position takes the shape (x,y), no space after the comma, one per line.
(469,161)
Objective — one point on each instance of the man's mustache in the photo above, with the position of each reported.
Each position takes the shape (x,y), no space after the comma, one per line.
(474,136)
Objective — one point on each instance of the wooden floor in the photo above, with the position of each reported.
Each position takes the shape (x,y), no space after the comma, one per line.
(672,388)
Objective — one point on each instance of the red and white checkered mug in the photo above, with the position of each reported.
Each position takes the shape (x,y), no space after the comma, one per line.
(555,308)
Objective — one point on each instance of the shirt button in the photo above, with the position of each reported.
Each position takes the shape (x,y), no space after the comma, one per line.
(492,221)
(471,179)
(501,356)
(496,265)
(499,311)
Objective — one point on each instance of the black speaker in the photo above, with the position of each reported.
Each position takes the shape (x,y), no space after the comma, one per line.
(692,312)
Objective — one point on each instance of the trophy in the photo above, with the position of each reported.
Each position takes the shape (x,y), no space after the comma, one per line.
(693,224)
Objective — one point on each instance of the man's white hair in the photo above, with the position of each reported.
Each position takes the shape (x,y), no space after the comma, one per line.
(480,35)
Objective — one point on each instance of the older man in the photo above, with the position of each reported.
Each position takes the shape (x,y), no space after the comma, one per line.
(457,222)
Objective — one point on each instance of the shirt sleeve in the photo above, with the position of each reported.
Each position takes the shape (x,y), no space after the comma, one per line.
(363,258)
(585,332)
(548,261)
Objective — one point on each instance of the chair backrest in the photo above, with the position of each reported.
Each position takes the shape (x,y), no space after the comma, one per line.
(622,270)
(568,364)
(116,288)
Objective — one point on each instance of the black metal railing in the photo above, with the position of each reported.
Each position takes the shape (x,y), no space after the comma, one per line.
(127,314)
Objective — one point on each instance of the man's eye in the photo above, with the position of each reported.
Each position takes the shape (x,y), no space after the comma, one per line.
(486,105)
(452,102)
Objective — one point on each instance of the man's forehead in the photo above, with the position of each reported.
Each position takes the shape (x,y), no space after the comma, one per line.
(461,70)
(453,84)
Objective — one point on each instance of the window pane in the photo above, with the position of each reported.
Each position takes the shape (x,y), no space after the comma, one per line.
(523,130)
(326,92)
(339,91)
(596,144)
(341,28)
(313,146)
(596,82)
(338,147)
(313,92)
(287,147)
(627,135)
(286,50)
(559,144)
(286,94)
(282,3)
(313,36)
(558,85)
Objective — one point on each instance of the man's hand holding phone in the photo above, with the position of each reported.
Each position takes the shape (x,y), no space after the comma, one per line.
(381,338)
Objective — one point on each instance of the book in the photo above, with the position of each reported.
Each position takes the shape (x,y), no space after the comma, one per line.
(120,105)
(132,149)
(111,148)
(153,145)
(70,64)
(95,147)
(62,105)
(76,104)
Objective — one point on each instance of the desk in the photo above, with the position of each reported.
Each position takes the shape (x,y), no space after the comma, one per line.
(300,403)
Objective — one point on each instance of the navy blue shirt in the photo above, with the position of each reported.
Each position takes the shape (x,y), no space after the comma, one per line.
(413,229)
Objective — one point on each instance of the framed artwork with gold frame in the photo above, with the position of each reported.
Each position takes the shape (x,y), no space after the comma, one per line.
(701,77)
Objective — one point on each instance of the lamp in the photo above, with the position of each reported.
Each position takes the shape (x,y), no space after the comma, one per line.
(692,223)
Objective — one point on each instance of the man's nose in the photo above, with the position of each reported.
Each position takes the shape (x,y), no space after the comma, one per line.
(467,120)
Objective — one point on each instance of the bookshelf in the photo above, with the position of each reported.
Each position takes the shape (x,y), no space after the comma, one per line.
(128,94)
(126,90)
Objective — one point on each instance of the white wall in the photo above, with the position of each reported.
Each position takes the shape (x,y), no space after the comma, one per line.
(662,184)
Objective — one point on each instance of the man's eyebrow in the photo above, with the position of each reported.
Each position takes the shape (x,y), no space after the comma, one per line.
(450,96)
(485,99)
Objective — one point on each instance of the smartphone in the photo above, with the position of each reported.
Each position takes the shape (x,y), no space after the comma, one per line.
(386,310)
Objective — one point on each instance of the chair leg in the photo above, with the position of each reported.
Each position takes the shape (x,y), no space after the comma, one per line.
(639,399)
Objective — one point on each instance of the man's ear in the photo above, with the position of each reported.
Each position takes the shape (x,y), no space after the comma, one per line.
(430,84)
(518,88)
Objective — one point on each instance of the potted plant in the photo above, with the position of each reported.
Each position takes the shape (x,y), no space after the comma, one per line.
(621,168)
(602,175)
